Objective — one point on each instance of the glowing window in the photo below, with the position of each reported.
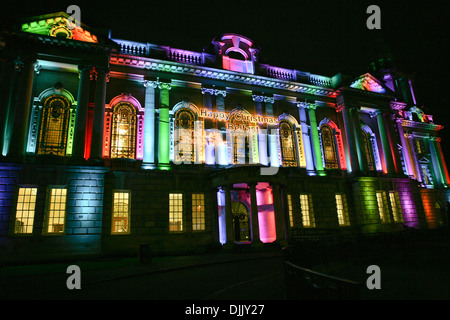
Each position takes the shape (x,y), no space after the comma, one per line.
(306,210)
(198,212)
(382,206)
(395,205)
(123,133)
(121,212)
(26,205)
(288,150)
(290,211)
(54,124)
(328,148)
(56,215)
(368,150)
(184,136)
(426,175)
(342,210)
(175,212)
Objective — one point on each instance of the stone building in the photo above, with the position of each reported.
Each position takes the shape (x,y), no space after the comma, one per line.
(107,144)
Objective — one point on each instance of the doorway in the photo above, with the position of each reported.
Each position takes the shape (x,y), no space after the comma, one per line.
(241,221)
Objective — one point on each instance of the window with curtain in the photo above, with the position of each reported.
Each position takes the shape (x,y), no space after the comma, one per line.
(328,148)
(56,210)
(54,125)
(123,133)
(121,212)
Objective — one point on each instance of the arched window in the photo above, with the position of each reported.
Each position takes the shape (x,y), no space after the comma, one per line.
(54,125)
(184,136)
(368,150)
(123,132)
(288,148)
(328,148)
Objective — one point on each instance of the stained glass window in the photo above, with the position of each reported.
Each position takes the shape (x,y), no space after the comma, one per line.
(123,134)
(184,136)
(328,148)
(54,126)
(288,150)
(368,150)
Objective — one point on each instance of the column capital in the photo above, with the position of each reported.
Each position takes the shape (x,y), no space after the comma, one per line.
(306,105)
(257,98)
(157,84)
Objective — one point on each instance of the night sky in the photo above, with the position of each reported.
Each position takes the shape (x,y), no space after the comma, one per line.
(321,37)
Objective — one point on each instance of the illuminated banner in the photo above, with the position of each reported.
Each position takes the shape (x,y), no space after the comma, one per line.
(225,116)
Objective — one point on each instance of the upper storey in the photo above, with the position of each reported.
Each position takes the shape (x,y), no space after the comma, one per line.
(229,57)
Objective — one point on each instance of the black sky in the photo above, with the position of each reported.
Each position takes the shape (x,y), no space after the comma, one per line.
(322,37)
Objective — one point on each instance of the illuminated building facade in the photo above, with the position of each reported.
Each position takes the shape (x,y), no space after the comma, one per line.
(107,144)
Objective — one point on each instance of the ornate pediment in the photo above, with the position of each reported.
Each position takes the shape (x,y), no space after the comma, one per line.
(58,25)
(368,82)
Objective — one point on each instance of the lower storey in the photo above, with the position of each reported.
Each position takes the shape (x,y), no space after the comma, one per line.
(53,212)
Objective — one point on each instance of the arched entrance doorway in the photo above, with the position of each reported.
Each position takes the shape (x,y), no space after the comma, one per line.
(241,222)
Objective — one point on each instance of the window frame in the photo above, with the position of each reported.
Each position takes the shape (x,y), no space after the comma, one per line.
(181,212)
(311,218)
(202,217)
(48,208)
(345,217)
(128,217)
(16,204)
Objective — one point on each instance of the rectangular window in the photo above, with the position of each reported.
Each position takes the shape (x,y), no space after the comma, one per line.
(395,205)
(198,212)
(121,212)
(56,206)
(26,205)
(382,206)
(290,211)
(306,210)
(175,212)
(342,210)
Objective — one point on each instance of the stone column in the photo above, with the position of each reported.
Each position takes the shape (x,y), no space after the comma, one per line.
(385,143)
(228,216)
(99,115)
(280,208)
(442,161)
(405,151)
(413,156)
(352,159)
(164,128)
(306,138)
(315,140)
(148,161)
(6,89)
(262,134)
(22,108)
(435,161)
(254,215)
(79,138)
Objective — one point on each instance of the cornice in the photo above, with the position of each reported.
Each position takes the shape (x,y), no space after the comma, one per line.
(421,125)
(219,74)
